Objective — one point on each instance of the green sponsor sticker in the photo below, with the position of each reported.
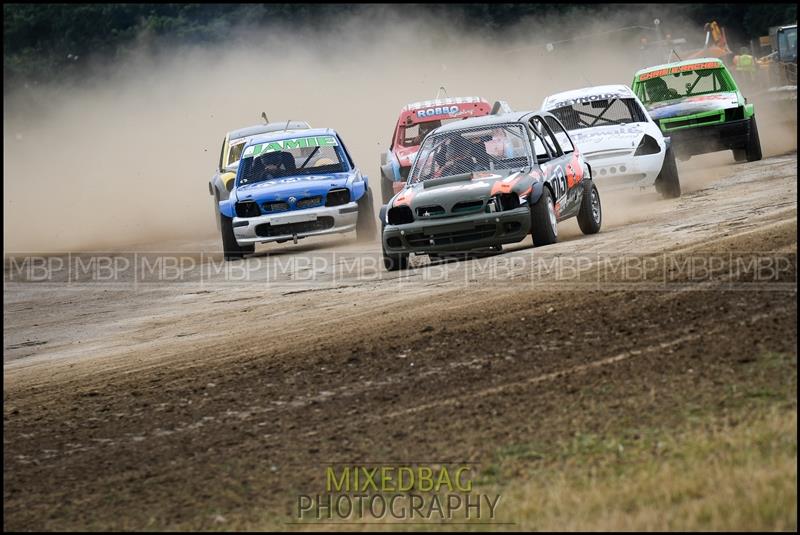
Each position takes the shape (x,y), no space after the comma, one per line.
(289,144)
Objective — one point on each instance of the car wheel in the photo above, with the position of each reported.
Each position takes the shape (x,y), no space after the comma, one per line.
(387,189)
(544,224)
(366,228)
(217,215)
(231,250)
(753,150)
(395,261)
(590,216)
(667,183)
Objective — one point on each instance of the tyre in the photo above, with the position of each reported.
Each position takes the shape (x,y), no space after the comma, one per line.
(395,262)
(667,183)
(753,150)
(366,228)
(217,215)
(230,249)
(387,189)
(544,225)
(590,215)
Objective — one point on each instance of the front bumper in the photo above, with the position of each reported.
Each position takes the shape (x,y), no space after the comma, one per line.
(462,233)
(627,171)
(300,223)
(712,138)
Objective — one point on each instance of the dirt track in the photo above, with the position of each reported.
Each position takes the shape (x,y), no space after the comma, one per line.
(132,404)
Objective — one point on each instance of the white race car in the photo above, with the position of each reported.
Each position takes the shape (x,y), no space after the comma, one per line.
(617,137)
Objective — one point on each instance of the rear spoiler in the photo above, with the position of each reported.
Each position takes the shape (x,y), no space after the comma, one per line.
(501,106)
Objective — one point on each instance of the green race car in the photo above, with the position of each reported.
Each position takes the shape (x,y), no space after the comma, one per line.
(698,105)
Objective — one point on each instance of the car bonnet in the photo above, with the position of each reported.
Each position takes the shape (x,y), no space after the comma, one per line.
(693,104)
(447,191)
(304,186)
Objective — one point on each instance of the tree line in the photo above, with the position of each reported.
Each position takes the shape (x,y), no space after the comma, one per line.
(52,41)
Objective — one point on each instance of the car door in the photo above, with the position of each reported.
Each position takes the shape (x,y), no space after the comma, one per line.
(544,153)
(573,167)
(555,168)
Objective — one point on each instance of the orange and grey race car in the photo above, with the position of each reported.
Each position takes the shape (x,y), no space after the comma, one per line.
(480,183)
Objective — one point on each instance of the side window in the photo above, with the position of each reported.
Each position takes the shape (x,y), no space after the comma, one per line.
(235,152)
(561,136)
(542,154)
(640,92)
(546,135)
(397,135)
(347,154)
(222,153)
(410,135)
(636,110)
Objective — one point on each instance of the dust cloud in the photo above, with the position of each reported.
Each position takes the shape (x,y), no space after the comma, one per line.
(777,125)
(125,158)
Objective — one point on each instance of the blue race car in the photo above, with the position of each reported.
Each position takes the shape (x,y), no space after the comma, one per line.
(294,184)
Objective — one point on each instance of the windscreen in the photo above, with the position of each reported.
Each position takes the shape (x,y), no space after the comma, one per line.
(606,112)
(470,150)
(290,157)
(683,84)
(412,135)
(787,44)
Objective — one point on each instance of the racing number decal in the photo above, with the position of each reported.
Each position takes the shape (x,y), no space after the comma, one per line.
(559,183)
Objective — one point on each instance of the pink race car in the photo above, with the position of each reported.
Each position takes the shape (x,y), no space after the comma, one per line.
(415,122)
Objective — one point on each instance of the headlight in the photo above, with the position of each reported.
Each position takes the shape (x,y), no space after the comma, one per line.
(399,215)
(734,114)
(504,201)
(247,209)
(337,197)
(648,145)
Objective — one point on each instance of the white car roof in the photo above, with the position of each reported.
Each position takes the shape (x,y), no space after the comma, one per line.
(598,92)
